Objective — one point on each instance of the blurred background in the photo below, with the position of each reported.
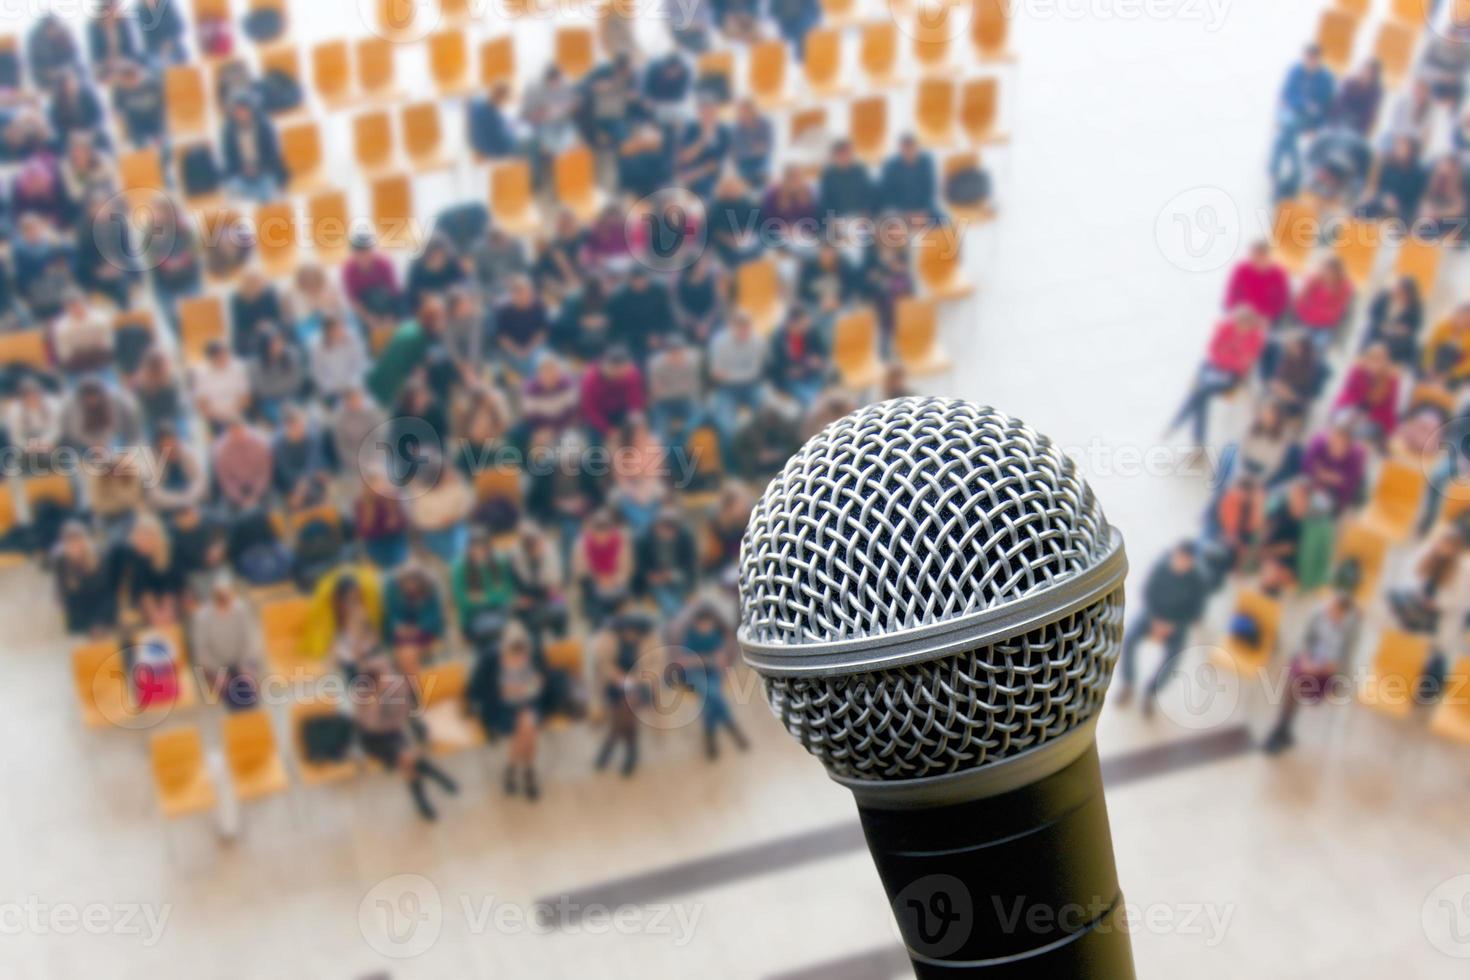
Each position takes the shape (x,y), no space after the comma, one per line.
(386,387)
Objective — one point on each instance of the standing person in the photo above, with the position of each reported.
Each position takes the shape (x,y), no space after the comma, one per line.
(385,702)
(1324,650)
(1173,600)
(707,646)
(1234,349)
(624,652)
(1305,101)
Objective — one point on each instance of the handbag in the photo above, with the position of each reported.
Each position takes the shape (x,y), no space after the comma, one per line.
(327,738)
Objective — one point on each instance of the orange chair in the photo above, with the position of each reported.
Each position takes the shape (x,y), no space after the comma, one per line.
(1397,497)
(449,62)
(511,199)
(140,174)
(317,773)
(1367,546)
(101,684)
(283,629)
(446,715)
(767,74)
(937,262)
(201,320)
(456,11)
(838,13)
(51,488)
(1413,14)
(286,60)
(1394,50)
(1451,718)
(717,64)
(1356,246)
(1357,8)
(301,150)
(1335,34)
(498,483)
(331,73)
(276,237)
(934,112)
(329,226)
(393,214)
(423,137)
(377,73)
(575,51)
(931,30)
(878,53)
(1418,259)
(979,106)
(758,294)
(185,96)
(180,777)
(823,63)
(396,18)
(855,349)
(1390,683)
(990,30)
(219,225)
(868,127)
(26,347)
(498,62)
(254,761)
(808,130)
(1249,658)
(703,449)
(575,179)
(372,143)
(916,337)
(1295,233)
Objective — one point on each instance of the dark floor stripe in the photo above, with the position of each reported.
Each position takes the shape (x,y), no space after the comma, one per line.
(826,842)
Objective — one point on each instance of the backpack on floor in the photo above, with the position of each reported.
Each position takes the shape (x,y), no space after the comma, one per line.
(154,673)
(326,738)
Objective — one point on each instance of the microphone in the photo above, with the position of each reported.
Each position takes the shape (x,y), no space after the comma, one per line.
(934,602)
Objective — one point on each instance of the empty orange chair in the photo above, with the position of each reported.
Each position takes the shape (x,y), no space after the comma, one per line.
(855,348)
(1391,681)
(101,684)
(26,347)
(255,765)
(878,52)
(377,75)
(1335,34)
(498,62)
(758,294)
(186,100)
(301,150)
(822,63)
(449,61)
(276,234)
(331,73)
(1355,7)
(990,29)
(1418,259)
(283,629)
(934,112)
(1397,497)
(396,18)
(201,320)
(372,142)
(511,200)
(1295,233)
(809,124)
(1356,246)
(575,179)
(423,137)
(317,773)
(575,51)
(392,203)
(979,106)
(447,717)
(1394,50)
(868,125)
(839,13)
(937,262)
(1413,14)
(932,27)
(329,226)
(916,337)
(767,74)
(1451,718)
(456,11)
(717,64)
(140,173)
(180,777)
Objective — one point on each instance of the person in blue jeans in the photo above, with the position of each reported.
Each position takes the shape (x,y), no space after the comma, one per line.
(706,650)
(1173,599)
(1306,99)
(737,369)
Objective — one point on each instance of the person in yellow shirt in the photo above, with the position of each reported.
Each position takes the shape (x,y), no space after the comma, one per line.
(1447,351)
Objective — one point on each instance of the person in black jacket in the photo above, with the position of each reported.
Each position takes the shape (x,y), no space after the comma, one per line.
(909,184)
(666,562)
(50,50)
(162,29)
(253,164)
(1173,599)
(111,37)
(798,360)
(666,84)
(846,189)
(85,583)
(641,314)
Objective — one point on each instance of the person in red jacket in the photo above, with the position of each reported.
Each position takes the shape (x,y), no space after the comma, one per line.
(1323,301)
(1372,387)
(1259,283)
(1234,349)
(612,389)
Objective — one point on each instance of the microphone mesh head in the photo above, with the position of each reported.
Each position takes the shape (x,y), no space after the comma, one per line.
(903,515)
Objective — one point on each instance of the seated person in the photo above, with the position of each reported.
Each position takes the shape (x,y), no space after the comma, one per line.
(253,167)
(909,184)
(1372,390)
(1395,318)
(1234,349)
(1324,301)
(846,189)
(243,466)
(482,585)
(602,566)
(413,616)
(798,362)
(1321,657)
(611,391)
(752,141)
(1397,184)
(666,562)
(300,475)
(383,704)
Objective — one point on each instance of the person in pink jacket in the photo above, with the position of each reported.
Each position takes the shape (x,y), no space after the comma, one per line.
(1234,349)
(1372,387)
(1323,301)
(1259,283)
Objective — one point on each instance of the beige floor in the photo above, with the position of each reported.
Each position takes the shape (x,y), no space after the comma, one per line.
(1323,863)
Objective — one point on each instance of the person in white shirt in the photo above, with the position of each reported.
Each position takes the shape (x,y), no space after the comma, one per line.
(83,336)
(338,359)
(737,367)
(221,385)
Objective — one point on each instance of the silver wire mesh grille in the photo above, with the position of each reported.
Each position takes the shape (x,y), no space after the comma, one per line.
(913,512)
(960,711)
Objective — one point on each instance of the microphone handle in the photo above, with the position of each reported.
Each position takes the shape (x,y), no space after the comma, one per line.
(1018,885)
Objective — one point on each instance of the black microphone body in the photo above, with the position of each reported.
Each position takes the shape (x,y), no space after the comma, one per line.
(1018,885)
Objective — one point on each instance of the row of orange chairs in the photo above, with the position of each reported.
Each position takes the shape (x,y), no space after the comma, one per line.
(1297,229)
(1393,46)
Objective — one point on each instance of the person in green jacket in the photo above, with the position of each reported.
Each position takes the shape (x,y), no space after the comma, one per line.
(406,350)
(481,581)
